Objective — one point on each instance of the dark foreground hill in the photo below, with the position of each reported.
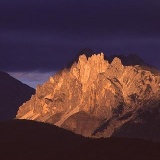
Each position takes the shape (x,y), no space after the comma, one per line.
(21,139)
(13,93)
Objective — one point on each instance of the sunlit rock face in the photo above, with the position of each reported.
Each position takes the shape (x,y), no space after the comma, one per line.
(96,98)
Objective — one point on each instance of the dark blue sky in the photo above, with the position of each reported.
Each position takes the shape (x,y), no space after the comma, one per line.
(44,35)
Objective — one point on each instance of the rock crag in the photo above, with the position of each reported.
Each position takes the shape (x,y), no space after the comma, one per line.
(96,98)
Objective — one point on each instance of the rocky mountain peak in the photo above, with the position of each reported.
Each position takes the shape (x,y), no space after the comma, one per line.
(82,59)
(116,62)
(94,97)
(96,61)
(87,69)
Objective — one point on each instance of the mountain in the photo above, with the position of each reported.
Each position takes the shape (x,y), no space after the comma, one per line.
(98,98)
(13,93)
(128,60)
(29,140)
(86,51)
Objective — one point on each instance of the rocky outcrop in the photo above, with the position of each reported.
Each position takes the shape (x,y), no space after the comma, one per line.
(94,98)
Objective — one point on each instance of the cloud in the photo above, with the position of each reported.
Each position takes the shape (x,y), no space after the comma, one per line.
(30,51)
(85,17)
(46,35)
(32,78)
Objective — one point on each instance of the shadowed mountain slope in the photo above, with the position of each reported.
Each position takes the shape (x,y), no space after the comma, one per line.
(13,93)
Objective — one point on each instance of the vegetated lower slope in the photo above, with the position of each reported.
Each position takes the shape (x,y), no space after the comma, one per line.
(144,125)
(22,139)
(13,93)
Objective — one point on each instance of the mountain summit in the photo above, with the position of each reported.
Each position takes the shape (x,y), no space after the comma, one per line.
(96,98)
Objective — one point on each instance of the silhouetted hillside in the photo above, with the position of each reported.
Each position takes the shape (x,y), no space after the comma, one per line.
(13,93)
(21,139)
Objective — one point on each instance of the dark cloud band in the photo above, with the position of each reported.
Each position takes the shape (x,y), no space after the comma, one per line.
(46,35)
